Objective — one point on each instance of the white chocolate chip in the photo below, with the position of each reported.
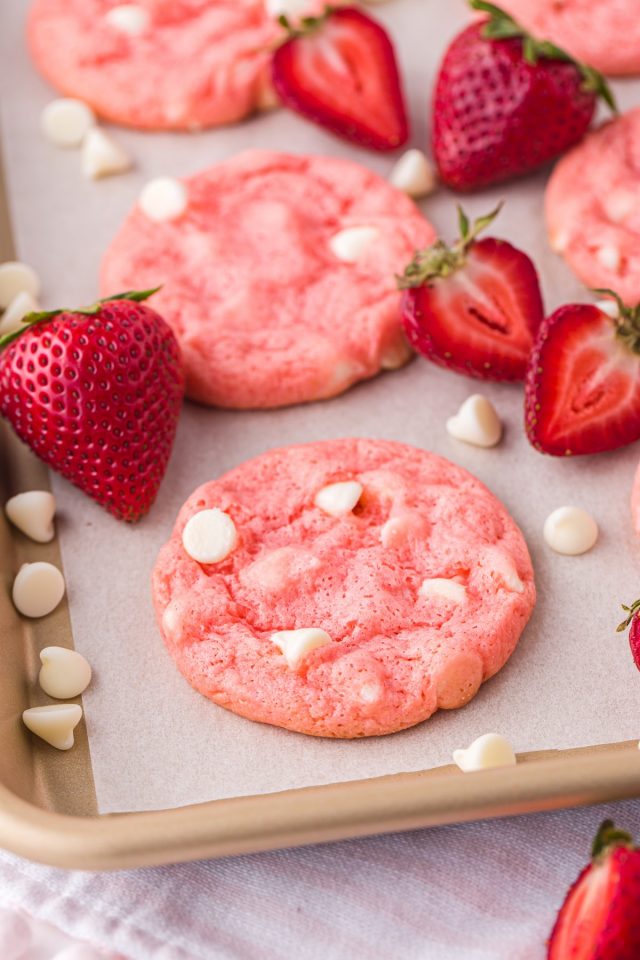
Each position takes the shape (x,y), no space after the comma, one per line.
(54,724)
(102,157)
(351,244)
(339,499)
(128,18)
(164,198)
(489,750)
(296,644)
(370,692)
(619,204)
(610,307)
(560,241)
(32,512)
(476,422)
(66,122)
(64,673)
(403,527)
(15,278)
(570,530)
(442,587)
(37,589)
(395,356)
(288,8)
(209,536)
(22,304)
(414,174)
(501,568)
(268,99)
(608,257)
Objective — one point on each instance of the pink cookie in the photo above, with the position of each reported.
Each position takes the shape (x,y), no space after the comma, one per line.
(187,64)
(592,207)
(605,35)
(373,578)
(266,311)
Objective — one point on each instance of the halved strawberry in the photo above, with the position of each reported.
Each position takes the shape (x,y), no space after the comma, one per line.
(340,71)
(583,382)
(474,307)
(600,917)
(632,619)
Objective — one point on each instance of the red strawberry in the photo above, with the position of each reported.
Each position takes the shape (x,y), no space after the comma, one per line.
(340,71)
(583,381)
(600,918)
(505,103)
(474,307)
(96,394)
(633,619)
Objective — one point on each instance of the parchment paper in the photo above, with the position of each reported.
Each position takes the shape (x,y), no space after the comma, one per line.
(154,742)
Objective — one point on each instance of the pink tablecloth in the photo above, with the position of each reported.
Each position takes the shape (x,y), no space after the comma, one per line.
(485,891)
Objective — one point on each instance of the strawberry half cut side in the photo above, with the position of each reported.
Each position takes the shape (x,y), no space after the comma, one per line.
(632,620)
(96,394)
(583,382)
(340,71)
(600,917)
(474,307)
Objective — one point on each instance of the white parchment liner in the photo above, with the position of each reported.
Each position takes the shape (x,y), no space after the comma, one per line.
(154,742)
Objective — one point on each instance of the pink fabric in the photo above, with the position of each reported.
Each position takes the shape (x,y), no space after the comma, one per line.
(484,891)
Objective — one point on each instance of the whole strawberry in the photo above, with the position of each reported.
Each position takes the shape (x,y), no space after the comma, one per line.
(632,620)
(340,70)
(583,383)
(96,394)
(506,103)
(600,917)
(474,307)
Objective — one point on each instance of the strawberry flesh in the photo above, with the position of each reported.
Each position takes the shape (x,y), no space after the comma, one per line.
(480,320)
(342,74)
(583,385)
(97,398)
(496,116)
(600,918)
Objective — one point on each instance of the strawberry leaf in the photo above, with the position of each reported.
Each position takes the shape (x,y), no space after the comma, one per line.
(44,316)
(502,26)
(631,612)
(439,260)
(608,837)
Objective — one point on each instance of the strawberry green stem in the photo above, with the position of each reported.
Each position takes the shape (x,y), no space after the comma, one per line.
(607,838)
(439,260)
(627,323)
(501,26)
(305,25)
(631,612)
(44,316)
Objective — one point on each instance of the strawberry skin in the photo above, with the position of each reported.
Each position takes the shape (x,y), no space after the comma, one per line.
(632,620)
(482,320)
(340,71)
(583,383)
(496,114)
(97,395)
(475,307)
(600,917)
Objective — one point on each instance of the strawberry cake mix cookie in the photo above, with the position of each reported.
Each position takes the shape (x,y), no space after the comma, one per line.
(157,64)
(346,588)
(592,207)
(604,35)
(277,273)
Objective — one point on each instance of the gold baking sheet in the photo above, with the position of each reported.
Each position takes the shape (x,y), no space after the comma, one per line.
(48,801)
